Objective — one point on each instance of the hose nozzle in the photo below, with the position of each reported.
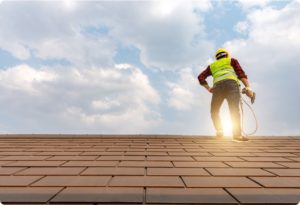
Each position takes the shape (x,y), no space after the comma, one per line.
(244,91)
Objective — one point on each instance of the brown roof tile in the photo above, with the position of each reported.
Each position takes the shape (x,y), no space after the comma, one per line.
(137,171)
(285,172)
(42,171)
(34,164)
(266,159)
(254,164)
(200,164)
(172,171)
(290,164)
(170,158)
(218,159)
(266,195)
(17,180)
(146,181)
(218,182)
(28,194)
(290,182)
(238,172)
(52,181)
(100,194)
(144,169)
(145,164)
(90,164)
(9,170)
(188,196)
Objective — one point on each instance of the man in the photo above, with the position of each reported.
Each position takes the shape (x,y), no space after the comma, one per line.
(226,73)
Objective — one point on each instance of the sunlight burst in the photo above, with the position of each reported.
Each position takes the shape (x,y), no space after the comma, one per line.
(227,127)
(226,121)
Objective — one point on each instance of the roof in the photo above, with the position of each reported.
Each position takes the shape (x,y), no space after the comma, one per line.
(144,169)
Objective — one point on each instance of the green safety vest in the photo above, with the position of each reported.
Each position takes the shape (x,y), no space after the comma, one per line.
(222,70)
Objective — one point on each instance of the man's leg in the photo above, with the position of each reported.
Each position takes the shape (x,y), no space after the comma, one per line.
(233,99)
(216,102)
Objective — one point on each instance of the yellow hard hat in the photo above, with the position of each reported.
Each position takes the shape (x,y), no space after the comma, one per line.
(223,51)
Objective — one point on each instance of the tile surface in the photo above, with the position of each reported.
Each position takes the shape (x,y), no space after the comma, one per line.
(102,194)
(219,182)
(145,169)
(197,195)
(27,194)
(266,195)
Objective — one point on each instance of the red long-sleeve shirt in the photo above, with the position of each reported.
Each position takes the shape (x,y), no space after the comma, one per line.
(234,63)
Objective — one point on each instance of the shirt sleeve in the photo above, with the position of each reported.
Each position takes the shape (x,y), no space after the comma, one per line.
(238,69)
(202,76)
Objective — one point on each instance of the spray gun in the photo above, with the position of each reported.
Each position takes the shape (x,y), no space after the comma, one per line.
(244,91)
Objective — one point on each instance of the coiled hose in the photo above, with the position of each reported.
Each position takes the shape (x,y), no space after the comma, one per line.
(242,117)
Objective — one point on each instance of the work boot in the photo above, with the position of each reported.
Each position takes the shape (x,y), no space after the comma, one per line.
(219,134)
(240,138)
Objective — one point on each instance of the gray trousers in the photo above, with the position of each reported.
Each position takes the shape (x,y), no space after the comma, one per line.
(229,90)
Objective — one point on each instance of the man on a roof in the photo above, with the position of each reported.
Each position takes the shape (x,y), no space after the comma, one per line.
(226,73)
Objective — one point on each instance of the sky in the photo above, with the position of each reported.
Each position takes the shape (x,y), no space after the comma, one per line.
(131,67)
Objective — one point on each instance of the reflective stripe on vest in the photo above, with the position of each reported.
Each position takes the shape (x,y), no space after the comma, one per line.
(222,70)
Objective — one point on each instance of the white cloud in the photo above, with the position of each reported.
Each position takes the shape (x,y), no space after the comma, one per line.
(204,5)
(270,57)
(242,27)
(79,50)
(181,98)
(105,104)
(188,105)
(24,78)
(69,4)
(182,94)
(272,39)
(165,8)
(253,3)
(46,30)
(70,100)
(16,49)
(169,34)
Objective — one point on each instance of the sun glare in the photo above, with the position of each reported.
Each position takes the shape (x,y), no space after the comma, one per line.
(226,122)
(227,127)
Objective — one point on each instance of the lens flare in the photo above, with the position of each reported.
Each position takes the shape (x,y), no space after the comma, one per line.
(227,127)
(226,121)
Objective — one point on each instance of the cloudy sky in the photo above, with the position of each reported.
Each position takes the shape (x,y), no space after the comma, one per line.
(131,66)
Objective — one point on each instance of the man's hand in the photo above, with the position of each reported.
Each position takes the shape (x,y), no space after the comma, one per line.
(209,89)
(249,92)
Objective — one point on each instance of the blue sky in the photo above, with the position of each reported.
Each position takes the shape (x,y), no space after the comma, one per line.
(131,66)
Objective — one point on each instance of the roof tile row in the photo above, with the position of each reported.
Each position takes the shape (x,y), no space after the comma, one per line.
(148,169)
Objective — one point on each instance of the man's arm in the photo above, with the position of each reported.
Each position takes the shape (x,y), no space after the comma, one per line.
(202,78)
(242,76)
(245,82)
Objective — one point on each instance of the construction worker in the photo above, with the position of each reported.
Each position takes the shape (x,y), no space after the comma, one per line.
(226,73)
